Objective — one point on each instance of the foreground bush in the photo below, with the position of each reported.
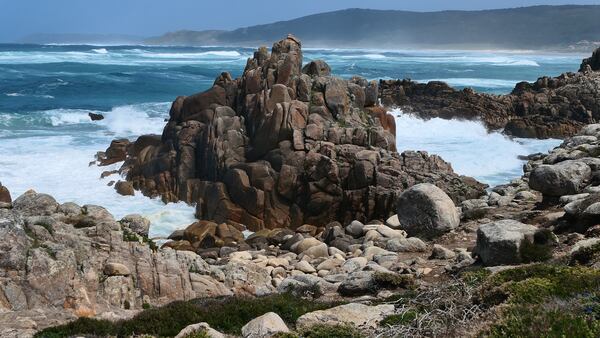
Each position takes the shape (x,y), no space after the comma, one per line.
(227,315)
(544,301)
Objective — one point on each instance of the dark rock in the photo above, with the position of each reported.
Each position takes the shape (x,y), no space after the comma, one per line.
(96,117)
(4,194)
(592,62)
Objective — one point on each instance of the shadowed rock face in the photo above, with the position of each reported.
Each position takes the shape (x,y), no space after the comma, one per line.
(551,107)
(593,62)
(279,147)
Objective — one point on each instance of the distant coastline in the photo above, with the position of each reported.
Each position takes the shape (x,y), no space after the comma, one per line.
(570,28)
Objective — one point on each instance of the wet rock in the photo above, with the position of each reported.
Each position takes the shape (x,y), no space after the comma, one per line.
(124,188)
(425,210)
(96,117)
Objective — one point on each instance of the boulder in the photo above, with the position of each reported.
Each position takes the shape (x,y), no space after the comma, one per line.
(199,329)
(411,244)
(355,314)
(355,229)
(440,252)
(124,188)
(426,210)
(317,68)
(305,244)
(499,243)
(264,326)
(564,178)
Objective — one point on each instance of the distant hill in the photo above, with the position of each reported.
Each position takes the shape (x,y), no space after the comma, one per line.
(537,27)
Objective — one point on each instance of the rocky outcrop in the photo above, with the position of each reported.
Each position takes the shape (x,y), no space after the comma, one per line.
(283,146)
(592,63)
(551,107)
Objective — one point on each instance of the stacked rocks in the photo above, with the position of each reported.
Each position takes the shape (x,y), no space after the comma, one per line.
(282,146)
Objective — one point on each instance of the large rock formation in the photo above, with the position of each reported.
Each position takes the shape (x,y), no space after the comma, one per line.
(549,107)
(282,146)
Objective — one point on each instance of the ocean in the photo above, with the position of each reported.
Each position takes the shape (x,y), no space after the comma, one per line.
(46,92)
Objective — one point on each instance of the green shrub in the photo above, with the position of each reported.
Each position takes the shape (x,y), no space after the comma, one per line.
(536,321)
(332,331)
(544,301)
(227,314)
(400,319)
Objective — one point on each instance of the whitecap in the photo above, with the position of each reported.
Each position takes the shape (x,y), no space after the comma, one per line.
(489,157)
(135,119)
(14,94)
(100,51)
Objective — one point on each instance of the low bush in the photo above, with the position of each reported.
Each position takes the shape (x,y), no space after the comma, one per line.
(226,314)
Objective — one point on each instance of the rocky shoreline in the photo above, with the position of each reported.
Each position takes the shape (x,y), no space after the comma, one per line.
(378,243)
(551,107)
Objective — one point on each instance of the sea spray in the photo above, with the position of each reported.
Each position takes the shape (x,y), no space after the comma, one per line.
(473,151)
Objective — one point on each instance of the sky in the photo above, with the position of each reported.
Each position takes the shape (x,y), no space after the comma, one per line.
(19,18)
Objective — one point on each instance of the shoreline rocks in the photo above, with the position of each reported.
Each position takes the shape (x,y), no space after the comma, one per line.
(551,107)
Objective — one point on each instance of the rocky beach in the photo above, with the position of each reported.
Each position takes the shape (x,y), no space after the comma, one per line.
(311,224)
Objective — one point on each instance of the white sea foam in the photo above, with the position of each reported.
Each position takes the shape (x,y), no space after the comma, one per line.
(14,94)
(57,162)
(490,157)
(132,120)
(100,51)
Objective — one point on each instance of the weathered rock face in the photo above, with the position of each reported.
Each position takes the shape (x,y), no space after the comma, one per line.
(551,107)
(425,210)
(280,147)
(62,261)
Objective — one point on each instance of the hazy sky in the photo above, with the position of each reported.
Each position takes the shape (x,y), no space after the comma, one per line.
(154,17)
